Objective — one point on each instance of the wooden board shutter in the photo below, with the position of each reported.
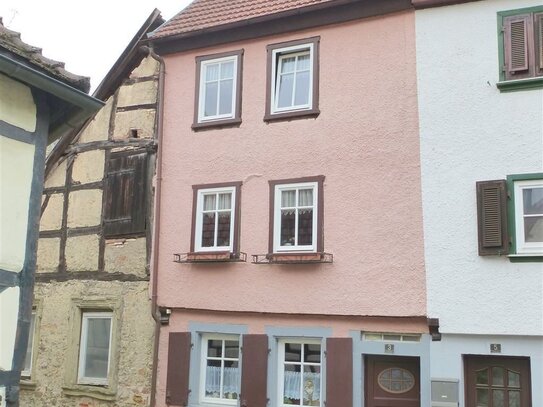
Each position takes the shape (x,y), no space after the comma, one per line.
(492,217)
(518,44)
(177,382)
(539,42)
(339,372)
(254,371)
(126,185)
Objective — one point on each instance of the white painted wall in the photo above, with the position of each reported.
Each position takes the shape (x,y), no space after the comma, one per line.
(471,132)
(9,312)
(446,357)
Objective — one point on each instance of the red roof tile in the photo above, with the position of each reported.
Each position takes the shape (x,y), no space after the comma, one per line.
(205,14)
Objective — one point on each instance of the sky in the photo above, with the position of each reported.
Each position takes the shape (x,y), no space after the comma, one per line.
(88,36)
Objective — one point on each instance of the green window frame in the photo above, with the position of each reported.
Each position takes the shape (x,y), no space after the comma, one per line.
(535,81)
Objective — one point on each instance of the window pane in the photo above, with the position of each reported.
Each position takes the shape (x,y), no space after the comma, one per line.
(209,202)
(305,227)
(288,199)
(292,384)
(482,397)
(497,376)
(210,108)
(312,380)
(533,201)
(514,379)
(28,355)
(514,399)
(286,83)
(293,352)
(231,380)
(303,62)
(301,96)
(231,349)
(214,348)
(223,233)
(213,378)
(97,351)
(288,224)
(212,72)
(227,70)
(533,229)
(498,398)
(225,201)
(305,197)
(208,230)
(312,353)
(288,64)
(225,103)
(482,377)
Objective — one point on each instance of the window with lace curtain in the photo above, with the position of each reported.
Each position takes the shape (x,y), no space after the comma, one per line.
(296,217)
(220,370)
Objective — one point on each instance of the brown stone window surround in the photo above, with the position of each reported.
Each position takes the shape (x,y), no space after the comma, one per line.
(272,64)
(198,124)
(196,255)
(298,256)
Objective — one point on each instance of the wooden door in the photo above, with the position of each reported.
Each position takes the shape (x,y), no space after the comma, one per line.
(493,381)
(392,381)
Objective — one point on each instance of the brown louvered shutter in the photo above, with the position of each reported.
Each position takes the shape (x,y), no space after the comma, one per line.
(254,371)
(539,42)
(492,217)
(518,43)
(125,208)
(177,382)
(339,372)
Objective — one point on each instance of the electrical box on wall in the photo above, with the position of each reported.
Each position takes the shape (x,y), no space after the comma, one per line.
(445,393)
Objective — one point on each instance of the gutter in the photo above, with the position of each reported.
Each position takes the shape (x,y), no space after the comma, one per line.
(155,311)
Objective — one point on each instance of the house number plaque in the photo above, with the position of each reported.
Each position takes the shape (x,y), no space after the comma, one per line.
(389,348)
(495,348)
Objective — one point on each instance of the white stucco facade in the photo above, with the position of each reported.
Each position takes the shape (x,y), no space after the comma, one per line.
(470,131)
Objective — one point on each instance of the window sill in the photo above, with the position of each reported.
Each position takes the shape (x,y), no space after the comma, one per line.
(214,124)
(297,114)
(209,257)
(520,84)
(28,384)
(96,392)
(526,258)
(293,258)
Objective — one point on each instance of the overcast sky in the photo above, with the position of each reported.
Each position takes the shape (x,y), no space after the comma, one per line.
(87,36)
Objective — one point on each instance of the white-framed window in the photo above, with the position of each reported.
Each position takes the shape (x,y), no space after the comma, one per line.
(215,217)
(220,372)
(27,367)
(295,217)
(218,88)
(292,78)
(300,365)
(95,348)
(528,197)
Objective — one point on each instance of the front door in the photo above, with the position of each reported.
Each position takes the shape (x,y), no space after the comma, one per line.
(493,381)
(392,381)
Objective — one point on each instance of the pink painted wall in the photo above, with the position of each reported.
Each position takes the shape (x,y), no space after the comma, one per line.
(365,142)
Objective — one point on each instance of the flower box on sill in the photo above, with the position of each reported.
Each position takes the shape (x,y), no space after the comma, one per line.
(293,258)
(209,257)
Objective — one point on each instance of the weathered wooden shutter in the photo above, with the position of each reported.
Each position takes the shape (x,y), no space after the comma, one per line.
(177,382)
(254,371)
(518,44)
(492,217)
(339,372)
(539,42)
(125,208)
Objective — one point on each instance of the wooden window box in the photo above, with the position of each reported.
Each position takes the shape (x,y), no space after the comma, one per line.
(209,257)
(293,258)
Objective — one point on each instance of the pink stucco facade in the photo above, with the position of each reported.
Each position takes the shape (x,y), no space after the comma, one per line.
(364,142)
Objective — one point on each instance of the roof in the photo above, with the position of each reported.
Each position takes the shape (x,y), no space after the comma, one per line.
(11,42)
(205,14)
